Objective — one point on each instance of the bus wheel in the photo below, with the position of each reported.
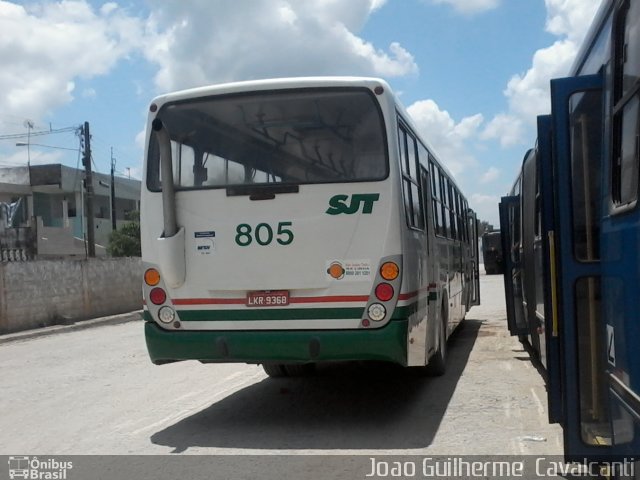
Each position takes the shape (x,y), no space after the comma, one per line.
(437,363)
(275,370)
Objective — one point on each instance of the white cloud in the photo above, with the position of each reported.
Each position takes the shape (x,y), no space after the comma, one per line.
(486,207)
(490,175)
(140,138)
(447,137)
(36,156)
(45,46)
(469,7)
(89,93)
(480,199)
(570,18)
(108,8)
(528,93)
(509,130)
(192,46)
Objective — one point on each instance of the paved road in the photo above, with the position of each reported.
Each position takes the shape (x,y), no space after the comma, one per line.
(95,392)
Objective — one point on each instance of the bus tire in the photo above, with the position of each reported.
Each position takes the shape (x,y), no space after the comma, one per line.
(438,361)
(275,370)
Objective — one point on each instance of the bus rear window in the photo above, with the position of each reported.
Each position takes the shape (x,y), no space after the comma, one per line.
(291,137)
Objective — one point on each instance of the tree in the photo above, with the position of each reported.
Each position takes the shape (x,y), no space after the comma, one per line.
(125,242)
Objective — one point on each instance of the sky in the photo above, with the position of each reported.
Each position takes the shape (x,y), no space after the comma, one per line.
(473,74)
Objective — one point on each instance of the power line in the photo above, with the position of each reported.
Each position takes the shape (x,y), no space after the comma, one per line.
(38,133)
(105,147)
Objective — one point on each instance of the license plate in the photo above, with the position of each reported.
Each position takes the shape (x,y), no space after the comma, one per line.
(276,298)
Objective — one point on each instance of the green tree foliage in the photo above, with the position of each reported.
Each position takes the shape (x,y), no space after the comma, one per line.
(125,242)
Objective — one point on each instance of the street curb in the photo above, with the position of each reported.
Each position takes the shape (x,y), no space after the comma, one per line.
(80,325)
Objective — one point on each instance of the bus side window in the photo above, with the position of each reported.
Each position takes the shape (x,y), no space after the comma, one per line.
(416,199)
(410,183)
(423,165)
(626,110)
(445,206)
(462,220)
(424,185)
(465,222)
(459,224)
(436,198)
(452,210)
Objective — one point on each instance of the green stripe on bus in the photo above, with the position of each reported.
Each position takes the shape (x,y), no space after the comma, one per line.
(405,311)
(270,314)
(289,313)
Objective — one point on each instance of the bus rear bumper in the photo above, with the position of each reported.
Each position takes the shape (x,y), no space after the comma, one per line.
(388,343)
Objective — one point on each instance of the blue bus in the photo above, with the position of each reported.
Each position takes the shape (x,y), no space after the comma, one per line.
(571,240)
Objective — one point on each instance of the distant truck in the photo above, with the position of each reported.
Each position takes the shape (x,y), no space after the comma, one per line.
(492,252)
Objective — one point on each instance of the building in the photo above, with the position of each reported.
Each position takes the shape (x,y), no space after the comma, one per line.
(42,210)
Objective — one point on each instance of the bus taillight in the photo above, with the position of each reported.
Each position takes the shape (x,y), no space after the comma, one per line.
(384,292)
(157,296)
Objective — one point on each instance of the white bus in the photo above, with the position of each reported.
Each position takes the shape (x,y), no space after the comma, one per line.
(295,221)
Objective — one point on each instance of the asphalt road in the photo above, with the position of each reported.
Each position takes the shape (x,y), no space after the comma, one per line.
(95,391)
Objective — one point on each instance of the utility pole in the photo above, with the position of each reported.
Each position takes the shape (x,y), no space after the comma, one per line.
(113,192)
(88,185)
(29,125)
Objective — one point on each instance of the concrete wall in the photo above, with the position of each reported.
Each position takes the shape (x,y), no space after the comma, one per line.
(47,292)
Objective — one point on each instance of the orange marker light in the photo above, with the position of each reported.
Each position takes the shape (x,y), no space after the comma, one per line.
(389,271)
(152,277)
(336,270)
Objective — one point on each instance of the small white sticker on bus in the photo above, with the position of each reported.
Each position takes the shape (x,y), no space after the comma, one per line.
(205,247)
(204,242)
(349,270)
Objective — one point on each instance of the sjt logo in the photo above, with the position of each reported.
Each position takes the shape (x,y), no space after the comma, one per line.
(338,203)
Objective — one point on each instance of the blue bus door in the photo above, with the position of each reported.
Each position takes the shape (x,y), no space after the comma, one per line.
(578,149)
(475,264)
(511,248)
(549,285)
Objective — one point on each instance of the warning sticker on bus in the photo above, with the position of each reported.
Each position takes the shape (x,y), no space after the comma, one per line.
(266,298)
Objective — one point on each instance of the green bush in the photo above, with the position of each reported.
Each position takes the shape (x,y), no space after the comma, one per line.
(125,242)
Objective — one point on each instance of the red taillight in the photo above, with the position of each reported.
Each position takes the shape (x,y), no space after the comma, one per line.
(384,292)
(157,296)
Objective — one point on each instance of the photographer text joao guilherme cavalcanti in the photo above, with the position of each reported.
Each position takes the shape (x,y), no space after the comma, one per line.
(430,467)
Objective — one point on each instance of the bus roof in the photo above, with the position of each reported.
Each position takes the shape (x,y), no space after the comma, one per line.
(271,84)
